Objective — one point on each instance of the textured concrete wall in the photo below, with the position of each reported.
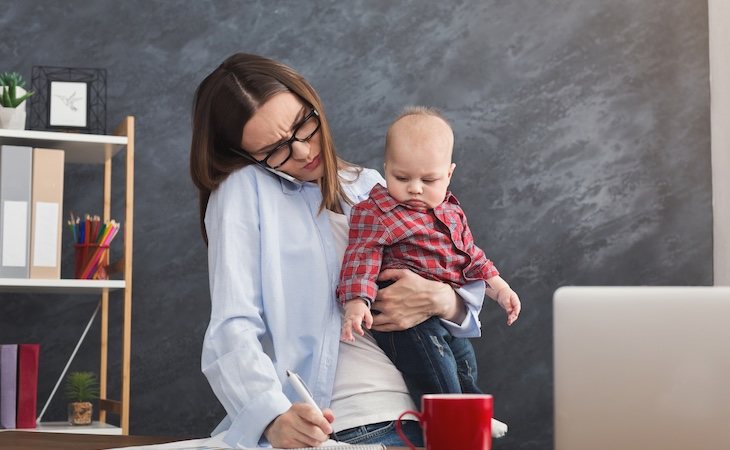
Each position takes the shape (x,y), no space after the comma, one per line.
(583,157)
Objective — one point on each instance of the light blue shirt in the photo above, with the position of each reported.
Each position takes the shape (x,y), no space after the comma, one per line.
(273,272)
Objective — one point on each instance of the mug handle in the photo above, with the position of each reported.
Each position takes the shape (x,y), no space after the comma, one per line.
(399,430)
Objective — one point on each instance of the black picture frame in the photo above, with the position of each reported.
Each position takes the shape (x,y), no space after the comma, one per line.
(68,99)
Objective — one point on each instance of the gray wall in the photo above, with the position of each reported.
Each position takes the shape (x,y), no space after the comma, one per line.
(583,157)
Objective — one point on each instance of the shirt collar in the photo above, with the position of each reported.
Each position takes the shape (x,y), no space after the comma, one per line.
(382,199)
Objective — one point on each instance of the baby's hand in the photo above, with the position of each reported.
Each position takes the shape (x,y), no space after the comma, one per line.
(356,312)
(510,302)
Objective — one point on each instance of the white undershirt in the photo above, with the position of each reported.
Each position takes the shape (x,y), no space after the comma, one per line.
(368,388)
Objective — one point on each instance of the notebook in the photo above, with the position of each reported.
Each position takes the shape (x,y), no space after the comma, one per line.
(641,368)
(216,443)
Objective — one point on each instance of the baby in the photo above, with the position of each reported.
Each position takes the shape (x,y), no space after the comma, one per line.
(417,224)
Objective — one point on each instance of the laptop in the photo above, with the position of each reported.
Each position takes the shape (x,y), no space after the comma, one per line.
(642,368)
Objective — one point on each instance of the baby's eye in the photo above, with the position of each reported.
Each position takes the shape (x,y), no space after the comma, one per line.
(401,178)
(428,180)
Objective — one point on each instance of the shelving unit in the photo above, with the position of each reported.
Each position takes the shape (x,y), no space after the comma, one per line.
(92,149)
(65,427)
(35,286)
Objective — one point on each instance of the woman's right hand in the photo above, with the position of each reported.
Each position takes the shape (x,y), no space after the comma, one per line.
(413,299)
(300,426)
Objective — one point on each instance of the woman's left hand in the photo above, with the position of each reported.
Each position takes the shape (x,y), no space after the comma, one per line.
(413,299)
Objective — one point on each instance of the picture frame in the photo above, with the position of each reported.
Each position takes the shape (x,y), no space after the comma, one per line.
(68,99)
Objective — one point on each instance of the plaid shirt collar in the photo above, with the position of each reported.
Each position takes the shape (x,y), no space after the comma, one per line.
(386,203)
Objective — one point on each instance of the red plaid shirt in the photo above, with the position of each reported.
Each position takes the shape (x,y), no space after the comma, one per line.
(384,234)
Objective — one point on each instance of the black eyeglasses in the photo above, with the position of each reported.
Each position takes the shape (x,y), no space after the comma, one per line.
(303,132)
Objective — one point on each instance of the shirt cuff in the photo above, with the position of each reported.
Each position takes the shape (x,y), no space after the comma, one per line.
(247,430)
(472,294)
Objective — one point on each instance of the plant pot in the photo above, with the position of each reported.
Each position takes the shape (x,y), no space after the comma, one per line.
(80,413)
(13,118)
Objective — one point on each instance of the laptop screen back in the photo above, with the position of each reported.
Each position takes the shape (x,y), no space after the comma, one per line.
(642,368)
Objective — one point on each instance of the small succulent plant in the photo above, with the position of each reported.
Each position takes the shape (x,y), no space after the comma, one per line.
(81,387)
(10,82)
(8,77)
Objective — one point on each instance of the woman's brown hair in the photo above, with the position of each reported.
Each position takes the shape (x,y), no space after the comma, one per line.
(225,100)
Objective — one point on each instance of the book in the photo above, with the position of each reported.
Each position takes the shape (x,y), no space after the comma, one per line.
(47,209)
(27,385)
(16,169)
(8,384)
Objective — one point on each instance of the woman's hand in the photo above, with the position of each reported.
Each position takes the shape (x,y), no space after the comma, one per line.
(300,426)
(413,299)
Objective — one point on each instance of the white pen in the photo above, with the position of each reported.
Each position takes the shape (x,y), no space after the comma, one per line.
(301,388)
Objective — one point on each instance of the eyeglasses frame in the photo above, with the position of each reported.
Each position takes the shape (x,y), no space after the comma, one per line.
(288,143)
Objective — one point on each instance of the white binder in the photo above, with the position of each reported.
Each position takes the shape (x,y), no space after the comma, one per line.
(16,169)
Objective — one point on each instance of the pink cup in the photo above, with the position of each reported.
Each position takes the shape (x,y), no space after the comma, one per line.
(454,421)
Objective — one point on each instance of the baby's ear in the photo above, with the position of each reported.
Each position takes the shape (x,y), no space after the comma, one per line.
(451,169)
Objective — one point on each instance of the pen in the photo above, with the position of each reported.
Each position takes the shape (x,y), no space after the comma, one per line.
(298,384)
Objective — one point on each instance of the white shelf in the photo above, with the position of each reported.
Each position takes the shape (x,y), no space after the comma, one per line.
(79,148)
(67,286)
(65,427)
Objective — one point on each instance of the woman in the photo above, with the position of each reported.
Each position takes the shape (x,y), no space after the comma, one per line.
(274,203)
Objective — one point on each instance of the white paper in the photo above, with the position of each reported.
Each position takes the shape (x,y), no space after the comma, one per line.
(45,239)
(211,443)
(15,234)
(216,443)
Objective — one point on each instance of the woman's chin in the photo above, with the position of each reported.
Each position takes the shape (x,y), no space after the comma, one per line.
(309,176)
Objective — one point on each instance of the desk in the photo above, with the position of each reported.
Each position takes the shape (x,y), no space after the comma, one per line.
(25,440)
(28,440)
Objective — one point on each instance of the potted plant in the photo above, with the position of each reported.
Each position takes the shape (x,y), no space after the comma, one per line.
(80,389)
(12,101)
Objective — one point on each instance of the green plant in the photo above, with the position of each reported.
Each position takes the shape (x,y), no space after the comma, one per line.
(81,387)
(10,82)
(7,77)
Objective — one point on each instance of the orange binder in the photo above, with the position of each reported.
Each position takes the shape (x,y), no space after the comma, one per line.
(46,213)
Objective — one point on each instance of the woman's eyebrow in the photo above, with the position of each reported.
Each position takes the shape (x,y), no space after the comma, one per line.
(297,120)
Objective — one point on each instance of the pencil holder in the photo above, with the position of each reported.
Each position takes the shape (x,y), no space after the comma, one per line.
(91,262)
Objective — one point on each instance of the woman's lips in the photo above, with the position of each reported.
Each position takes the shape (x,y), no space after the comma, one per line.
(313,165)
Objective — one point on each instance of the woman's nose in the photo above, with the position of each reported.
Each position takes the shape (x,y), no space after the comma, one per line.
(300,150)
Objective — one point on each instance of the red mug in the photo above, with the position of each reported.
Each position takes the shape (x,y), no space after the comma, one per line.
(453,421)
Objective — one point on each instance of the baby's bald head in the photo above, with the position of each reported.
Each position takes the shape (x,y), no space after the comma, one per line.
(418,164)
(421,129)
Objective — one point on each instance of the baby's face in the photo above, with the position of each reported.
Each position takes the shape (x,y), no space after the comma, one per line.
(418,164)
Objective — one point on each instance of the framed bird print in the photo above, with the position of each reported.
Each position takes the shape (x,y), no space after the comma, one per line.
(68,104)
(68,99)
